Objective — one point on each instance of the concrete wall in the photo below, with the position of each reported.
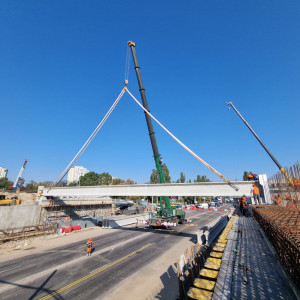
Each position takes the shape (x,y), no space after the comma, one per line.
(18,216)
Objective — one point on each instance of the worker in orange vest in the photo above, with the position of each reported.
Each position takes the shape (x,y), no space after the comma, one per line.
(290,202)
(277,200)
(250,176)
(241,205)
(245,206)
(89,246)
(255,192)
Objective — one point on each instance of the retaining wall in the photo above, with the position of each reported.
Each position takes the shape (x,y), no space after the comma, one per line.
(19,216)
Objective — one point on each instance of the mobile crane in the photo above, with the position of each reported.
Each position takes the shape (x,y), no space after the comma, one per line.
(15,186)
(167,215)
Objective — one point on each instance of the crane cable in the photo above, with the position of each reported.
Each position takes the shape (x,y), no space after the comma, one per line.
(127,65)
(184,146)
(86,144)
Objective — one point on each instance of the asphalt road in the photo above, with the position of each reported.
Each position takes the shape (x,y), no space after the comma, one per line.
(67,273)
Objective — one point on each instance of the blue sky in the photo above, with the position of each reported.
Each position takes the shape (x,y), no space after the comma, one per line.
(63,62)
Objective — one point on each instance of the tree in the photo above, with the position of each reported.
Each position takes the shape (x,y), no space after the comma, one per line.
(202,179)
(21,182)
(154,178)
(182,177)
(245,176)
(89,179)
(117,181)
(129,181)
(46,183)
(32,186)
(105,179)
(5,183)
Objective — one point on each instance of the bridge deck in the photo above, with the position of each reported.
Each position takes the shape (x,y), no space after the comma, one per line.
(253,272)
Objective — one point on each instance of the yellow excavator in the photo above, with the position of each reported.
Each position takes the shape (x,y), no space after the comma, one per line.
(12,201)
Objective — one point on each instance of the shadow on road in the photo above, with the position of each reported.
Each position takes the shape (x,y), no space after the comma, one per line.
(170,282)
(37,289)
(171,232)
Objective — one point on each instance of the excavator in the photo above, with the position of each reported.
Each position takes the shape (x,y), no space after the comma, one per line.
(167,216)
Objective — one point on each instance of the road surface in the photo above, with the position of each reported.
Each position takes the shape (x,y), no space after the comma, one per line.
(66,272)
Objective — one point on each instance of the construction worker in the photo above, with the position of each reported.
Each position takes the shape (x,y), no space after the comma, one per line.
(290,202)
(250,176)
(89,246)
(245,206)
(255,193)
(277,200)
(241,205)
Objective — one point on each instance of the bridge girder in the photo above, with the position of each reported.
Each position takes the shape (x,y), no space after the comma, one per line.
(211,189)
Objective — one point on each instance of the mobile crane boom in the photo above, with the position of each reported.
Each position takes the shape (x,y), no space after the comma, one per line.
(263,145)
(157,158)
(19,175)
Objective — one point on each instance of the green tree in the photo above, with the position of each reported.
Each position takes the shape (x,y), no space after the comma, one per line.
(21,182)
(182,178)
(154,178)
(105,179)
(5,183)
(202,178)
(89,179)
(73,183)
(245,176)
(32,186)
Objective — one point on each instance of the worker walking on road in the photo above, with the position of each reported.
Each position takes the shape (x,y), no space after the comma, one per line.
(255,192)
(89,246)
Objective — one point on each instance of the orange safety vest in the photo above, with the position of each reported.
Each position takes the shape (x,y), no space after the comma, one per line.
(278,201)
(255,190)
(250,176)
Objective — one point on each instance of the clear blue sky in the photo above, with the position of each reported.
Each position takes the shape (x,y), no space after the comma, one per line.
(62,65)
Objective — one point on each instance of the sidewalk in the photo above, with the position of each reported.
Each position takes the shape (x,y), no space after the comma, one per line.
(250,268)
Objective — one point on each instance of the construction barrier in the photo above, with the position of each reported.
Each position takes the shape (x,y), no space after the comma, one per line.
(188,267)
(115,223)
(210,232)
(198,267)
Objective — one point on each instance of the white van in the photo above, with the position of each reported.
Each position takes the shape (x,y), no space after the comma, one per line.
(203,205)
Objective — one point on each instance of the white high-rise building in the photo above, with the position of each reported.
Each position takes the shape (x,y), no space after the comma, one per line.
(75,173)
(3,172)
